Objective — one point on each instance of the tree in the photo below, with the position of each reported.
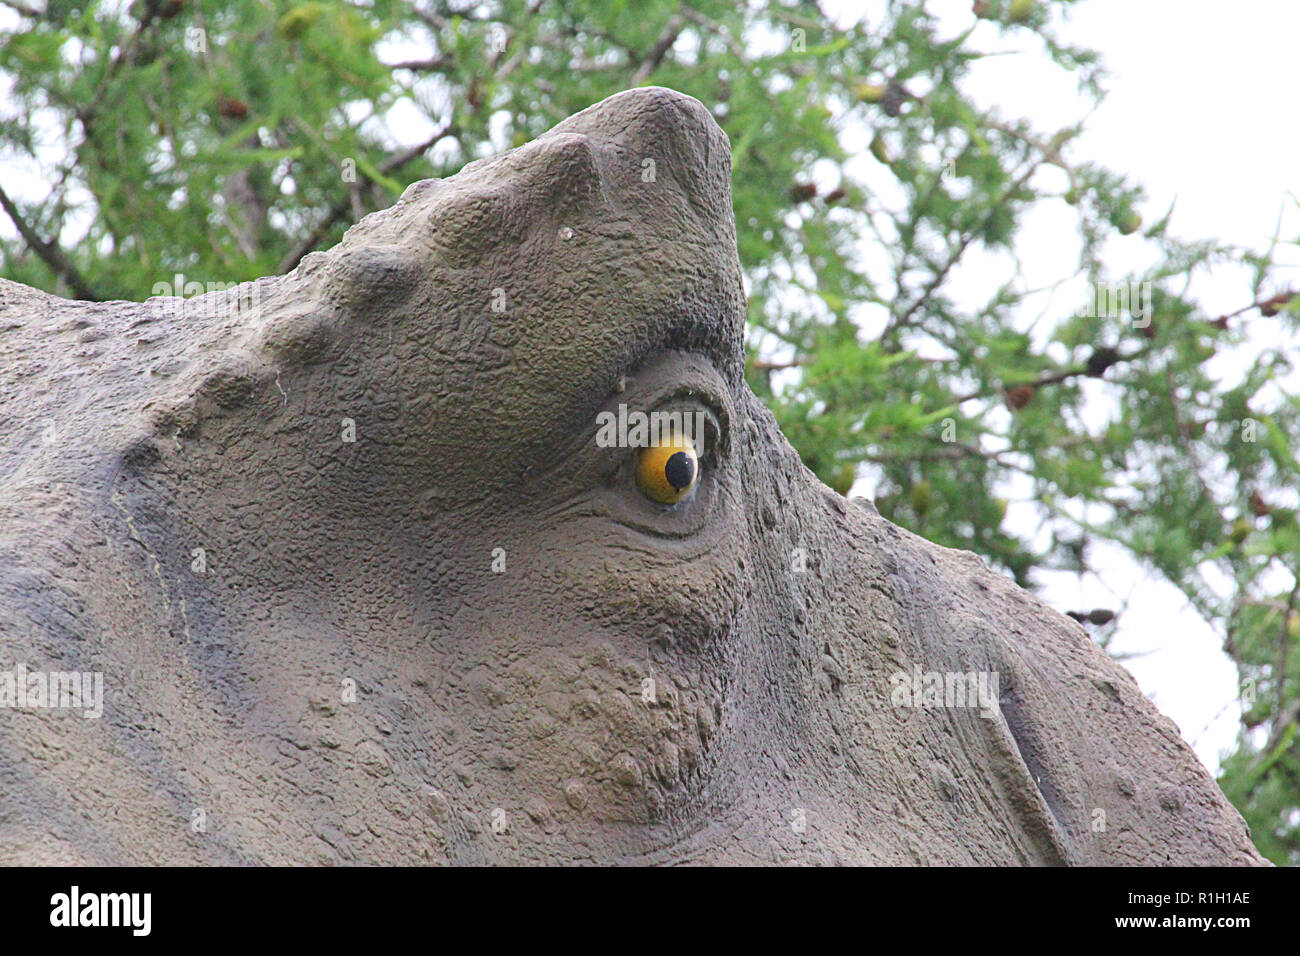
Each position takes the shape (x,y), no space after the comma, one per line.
(225,140)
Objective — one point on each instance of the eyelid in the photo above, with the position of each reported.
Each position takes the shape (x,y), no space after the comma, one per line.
(713,430)
(690,397)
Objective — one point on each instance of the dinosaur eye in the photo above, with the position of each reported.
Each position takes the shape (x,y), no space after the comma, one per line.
(667,472)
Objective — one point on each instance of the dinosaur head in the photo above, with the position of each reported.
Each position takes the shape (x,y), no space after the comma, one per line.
(382,560)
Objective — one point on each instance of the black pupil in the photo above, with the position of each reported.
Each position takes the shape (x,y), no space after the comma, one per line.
(680,470)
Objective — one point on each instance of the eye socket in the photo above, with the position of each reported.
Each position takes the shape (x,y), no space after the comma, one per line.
(667,473)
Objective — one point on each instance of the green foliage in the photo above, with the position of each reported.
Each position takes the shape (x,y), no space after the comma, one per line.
(225,139)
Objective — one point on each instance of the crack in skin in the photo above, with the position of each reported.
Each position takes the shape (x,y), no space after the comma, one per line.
(359,684)
(115,498)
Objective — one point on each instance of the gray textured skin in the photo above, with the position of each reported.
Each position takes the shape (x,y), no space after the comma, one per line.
(518,691)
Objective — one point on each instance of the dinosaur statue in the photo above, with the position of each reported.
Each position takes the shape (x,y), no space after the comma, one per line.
(359,585)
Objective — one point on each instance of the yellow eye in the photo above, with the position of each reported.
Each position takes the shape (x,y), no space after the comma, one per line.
(667,472)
